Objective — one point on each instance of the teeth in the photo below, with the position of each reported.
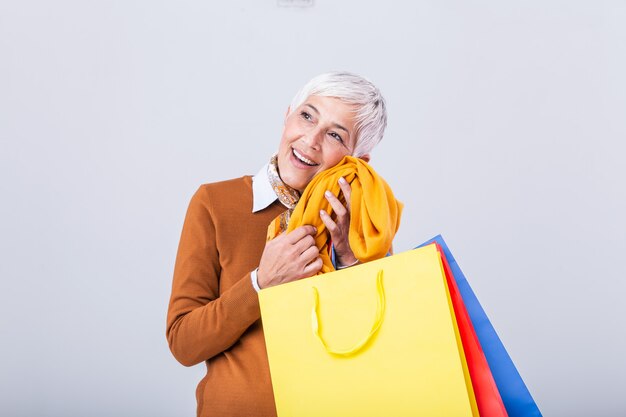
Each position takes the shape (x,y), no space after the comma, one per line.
(303,159)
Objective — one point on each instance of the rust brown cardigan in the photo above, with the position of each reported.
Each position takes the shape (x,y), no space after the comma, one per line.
(213,315)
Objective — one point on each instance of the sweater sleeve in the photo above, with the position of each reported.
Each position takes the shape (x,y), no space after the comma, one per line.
(201,322)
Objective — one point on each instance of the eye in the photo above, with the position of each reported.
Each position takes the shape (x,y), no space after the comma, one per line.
(336,137)
(305,115)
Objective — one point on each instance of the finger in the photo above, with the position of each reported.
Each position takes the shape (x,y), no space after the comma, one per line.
(346,190)
(309,255)
(300,232)
(303,244)
(338,235)
(313,267)
(338,208)
(330,225)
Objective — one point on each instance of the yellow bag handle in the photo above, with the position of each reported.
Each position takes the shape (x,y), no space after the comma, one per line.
(378,320)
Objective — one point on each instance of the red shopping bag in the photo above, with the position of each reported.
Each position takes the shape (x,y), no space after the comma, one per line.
(486,391)
(515,395)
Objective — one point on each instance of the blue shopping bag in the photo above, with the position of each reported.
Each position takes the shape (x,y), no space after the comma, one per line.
(515,396)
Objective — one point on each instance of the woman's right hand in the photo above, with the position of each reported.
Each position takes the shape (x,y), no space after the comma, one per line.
(288,257)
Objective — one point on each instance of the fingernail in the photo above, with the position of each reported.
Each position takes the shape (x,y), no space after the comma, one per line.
(343,180)
(322,213)
(328,193)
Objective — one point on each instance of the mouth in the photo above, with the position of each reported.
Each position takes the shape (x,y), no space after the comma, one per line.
(303,159)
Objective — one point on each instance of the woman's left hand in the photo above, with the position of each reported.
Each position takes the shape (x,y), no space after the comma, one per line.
(340,226)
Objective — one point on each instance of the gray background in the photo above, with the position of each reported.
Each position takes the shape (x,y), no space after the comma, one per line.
(506,134)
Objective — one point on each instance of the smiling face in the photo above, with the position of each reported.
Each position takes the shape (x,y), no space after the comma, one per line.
(316,136)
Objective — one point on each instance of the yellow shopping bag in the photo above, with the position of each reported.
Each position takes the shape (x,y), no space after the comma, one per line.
(378,339)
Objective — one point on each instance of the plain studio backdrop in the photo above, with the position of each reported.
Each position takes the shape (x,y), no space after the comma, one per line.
(506,134)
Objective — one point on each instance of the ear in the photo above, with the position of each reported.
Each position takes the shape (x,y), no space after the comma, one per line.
(365,157)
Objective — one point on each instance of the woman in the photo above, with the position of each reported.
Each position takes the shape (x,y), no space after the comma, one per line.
(223,257)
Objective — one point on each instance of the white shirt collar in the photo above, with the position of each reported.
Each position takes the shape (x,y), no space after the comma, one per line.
(262,192)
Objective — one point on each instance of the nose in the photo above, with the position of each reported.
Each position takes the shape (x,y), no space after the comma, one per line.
(313,138)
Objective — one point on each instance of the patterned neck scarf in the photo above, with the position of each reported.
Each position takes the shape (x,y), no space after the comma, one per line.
(286,195)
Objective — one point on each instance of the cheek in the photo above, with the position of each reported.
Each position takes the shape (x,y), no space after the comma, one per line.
(282,145)
(285,143)
(291,129)
(333,156)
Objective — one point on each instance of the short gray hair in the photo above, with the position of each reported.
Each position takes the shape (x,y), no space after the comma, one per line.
(371,111)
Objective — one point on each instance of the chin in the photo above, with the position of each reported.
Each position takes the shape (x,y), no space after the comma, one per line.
(296,183)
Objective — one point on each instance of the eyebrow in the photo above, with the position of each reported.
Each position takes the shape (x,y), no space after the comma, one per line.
(337,125)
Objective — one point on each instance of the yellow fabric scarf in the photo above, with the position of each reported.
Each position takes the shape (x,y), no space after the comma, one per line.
(375,212)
